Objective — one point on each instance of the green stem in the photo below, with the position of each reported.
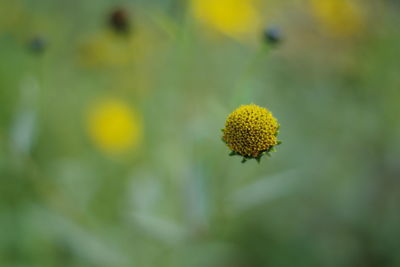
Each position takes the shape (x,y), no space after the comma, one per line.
(243,92)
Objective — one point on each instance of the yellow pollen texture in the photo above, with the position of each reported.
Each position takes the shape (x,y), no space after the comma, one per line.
(250,130)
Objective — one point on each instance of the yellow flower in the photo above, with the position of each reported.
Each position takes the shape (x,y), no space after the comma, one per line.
(11,16)
(113,126)
(235,18)
(340,18)
(107,49)
(251,131)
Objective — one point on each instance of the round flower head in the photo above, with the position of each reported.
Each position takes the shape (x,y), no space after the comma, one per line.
(251,132)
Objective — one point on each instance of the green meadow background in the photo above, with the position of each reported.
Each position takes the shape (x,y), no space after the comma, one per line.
(171,195)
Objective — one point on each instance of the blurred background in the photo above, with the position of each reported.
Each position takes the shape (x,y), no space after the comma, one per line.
(110,141)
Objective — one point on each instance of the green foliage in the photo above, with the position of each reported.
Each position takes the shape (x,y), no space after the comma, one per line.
(328,197)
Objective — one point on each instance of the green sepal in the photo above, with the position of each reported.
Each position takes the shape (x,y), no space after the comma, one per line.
(233,153)
(277,130)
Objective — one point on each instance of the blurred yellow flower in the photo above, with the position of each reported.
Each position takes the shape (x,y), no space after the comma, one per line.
(235,18)
(11,16)
(114,126)
(107,49)
(340,18)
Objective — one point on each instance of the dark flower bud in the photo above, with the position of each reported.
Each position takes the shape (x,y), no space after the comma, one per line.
(119,21)
(273,35)
(37,45)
